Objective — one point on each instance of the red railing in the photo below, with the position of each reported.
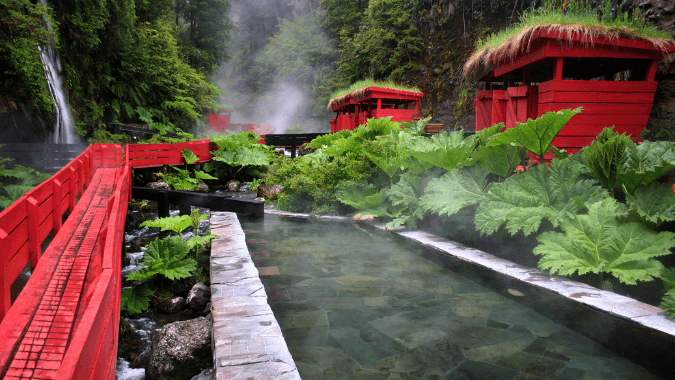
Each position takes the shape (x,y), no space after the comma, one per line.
(148,155)
(87,309)
(90,352)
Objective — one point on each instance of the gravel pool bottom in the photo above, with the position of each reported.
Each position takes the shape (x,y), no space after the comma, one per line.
(355,305)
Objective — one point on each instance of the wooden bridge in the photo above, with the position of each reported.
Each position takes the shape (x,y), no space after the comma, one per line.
(64,323)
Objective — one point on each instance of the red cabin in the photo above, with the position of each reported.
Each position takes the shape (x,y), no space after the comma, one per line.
(219,121)
(355,108)
(611,78)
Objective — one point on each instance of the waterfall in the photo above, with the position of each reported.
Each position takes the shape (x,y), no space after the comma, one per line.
(63,130)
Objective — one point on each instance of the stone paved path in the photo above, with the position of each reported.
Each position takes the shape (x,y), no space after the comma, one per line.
(248,343)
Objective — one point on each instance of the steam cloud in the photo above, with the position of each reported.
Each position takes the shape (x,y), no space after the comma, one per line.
(281,102)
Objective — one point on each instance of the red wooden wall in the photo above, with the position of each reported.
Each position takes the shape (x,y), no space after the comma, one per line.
(149,155)
(623,104)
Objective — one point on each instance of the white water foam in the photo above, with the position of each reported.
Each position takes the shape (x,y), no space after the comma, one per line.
(63,130)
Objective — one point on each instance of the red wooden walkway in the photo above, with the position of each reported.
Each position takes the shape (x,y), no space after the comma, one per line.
(64,323)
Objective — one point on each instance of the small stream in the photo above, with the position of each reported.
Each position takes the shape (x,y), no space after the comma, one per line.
(135,346)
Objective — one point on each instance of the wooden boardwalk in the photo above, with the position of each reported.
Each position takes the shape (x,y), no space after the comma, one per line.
(64,324)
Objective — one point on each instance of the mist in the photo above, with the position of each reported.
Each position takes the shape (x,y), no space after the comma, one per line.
(269,83)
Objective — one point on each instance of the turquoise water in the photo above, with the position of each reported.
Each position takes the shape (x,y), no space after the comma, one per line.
(354,305)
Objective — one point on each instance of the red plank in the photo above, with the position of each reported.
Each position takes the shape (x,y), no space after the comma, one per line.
(597,85)
(594,130)
(599,108)
(608,120)
(592,97)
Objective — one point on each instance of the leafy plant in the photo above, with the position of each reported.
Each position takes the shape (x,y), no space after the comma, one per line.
(500,159)
(522,201)
(240,154)
(174,223)
(189,156)
(600,242)
(182,179)
(605,157)
(16,182)
(654,203)
(536,135)
(455,190)
(645,163)
(166,257)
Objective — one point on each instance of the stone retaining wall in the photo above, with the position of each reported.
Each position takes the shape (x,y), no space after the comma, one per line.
(247,341)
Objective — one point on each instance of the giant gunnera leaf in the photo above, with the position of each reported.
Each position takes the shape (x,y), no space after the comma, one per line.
(172,223)
(189,156)
(600,242)
(168,258)
(605,157)
(655,203)
(363,196)
(445,150)
(455,190)
(645,163)
(536,135)
(136,299)
(524,200)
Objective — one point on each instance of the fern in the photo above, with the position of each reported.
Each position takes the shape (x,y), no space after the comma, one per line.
(599,242)
(536,135)
(522,201)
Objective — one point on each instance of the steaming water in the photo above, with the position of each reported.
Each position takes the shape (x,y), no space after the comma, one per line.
(352,304)
(63,130)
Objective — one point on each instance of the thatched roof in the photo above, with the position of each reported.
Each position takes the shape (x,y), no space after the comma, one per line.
(520,42)
(361,92)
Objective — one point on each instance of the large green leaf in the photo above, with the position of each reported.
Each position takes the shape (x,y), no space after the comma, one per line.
(606,156)
(203,175)
(16,191)
(501,160)
(189,156)
(233,141)
(655,203)
(599,242)
(454,190)
(361,195)
(523,200)
(536,135)
(446,150)
(136,299)
(200,241)
(242,156)
(645,163)
(329,139)
(171,223)
(167,257)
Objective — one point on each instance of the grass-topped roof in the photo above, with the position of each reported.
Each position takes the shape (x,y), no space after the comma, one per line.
(357,90)
(517,38)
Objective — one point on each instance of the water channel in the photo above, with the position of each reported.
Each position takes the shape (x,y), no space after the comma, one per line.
(356,305)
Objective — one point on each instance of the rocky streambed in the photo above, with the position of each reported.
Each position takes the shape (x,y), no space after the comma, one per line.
(172,339)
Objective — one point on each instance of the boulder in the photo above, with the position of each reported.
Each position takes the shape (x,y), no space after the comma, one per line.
(233,185)
(180,350)
(202,187)
(158,185)
(206,374)
(266,191)
(199,296)
(171,305)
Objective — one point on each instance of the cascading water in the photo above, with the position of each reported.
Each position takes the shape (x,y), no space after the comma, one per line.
(63,130)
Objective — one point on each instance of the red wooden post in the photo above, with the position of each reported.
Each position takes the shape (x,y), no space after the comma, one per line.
(5,281)
(558,69)
(57,211)
(33,231)
(651,71)
(72,196)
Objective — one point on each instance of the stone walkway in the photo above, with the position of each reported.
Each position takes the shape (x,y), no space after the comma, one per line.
(247,340)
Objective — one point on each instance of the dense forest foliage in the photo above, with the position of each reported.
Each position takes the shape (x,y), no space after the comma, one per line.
(168,62)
